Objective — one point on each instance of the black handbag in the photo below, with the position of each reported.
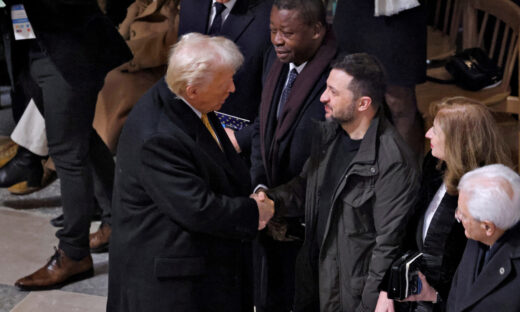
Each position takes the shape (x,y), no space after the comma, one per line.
(471,69)
(403,279)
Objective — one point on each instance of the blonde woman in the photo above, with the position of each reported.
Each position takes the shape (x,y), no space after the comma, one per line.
(464,136)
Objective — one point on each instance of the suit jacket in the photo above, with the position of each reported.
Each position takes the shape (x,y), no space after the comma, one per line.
(181,218)
(281,147)
(445,239)
(496,287)
(248,26)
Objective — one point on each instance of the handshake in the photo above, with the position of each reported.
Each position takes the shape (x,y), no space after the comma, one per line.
(265,208)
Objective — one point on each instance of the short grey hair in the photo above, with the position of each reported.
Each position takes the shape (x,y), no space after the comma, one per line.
(195,58)
(494,194)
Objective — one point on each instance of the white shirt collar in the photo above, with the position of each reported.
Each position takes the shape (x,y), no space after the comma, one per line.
(298,68)
(229,6)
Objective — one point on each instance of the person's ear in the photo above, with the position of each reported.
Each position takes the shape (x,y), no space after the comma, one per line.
(191,92)
(317,29)
(489,227)
(364,103)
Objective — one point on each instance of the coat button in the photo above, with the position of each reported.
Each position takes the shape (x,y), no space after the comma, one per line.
(501,271)
(373,170)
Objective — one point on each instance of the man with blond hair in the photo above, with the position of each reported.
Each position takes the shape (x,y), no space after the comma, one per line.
(182,221)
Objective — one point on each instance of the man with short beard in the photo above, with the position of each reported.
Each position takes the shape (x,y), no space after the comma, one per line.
(357,189)
(294,78)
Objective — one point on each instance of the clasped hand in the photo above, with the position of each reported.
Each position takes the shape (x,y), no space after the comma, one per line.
(265,208)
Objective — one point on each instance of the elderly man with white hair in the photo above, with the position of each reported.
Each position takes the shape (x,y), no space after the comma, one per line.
(182,220)
(487,278)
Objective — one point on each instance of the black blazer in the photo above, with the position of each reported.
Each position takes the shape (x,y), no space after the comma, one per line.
(496,287)
(82,42)
(445,239)
(248,26)
(181,216)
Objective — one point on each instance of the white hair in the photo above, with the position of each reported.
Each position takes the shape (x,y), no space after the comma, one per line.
(195,58)
(494,195)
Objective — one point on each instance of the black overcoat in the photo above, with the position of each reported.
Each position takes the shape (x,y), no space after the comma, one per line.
(496,287)
(182,220)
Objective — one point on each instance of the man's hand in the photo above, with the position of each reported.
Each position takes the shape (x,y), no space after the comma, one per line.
(265,208)
(383,303)
(231,134)
(428,293)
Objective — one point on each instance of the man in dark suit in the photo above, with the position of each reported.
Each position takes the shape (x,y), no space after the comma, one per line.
(182,220)
(74,47)
(295,76)
(487,277)
(245,22)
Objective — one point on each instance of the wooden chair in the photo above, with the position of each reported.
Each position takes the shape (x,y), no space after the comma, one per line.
(494,26)
(443,28)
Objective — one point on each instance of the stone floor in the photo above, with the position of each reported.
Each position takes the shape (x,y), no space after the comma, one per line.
(26,243)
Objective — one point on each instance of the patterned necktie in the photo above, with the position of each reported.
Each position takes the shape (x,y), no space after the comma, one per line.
(205,121)
(217,20)
(286,91)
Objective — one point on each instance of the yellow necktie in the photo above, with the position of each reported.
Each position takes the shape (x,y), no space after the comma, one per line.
(205,121)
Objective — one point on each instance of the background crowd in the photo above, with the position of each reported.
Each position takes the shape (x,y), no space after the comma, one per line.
(303,209)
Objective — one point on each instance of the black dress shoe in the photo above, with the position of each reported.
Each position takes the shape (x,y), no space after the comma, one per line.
(58,221)
(25,166)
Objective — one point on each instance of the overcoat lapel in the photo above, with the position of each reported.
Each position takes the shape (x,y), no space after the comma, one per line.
(301,95)
(493,273)
(431,185)
(440,225)
(183,116)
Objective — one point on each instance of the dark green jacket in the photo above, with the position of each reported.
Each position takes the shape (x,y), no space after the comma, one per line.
(366,223)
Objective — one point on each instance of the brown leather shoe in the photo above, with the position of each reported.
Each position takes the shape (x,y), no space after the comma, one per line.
(23,188)
(7,151)
(99,240)
(59,271)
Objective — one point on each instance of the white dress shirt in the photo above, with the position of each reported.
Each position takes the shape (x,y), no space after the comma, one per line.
(229,6)
(432,208)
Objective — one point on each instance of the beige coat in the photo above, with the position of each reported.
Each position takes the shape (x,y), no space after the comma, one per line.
(149,35)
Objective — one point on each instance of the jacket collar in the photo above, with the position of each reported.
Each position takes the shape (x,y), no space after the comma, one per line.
(367,152)
(436,237)
(499,268)
(184,118)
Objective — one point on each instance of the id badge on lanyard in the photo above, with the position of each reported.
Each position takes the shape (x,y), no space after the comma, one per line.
(21,26)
